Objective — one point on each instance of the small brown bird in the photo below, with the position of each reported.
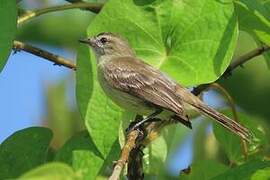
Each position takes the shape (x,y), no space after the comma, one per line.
(136,86)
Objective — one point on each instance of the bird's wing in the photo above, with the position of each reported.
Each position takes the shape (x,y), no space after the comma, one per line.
(139,79)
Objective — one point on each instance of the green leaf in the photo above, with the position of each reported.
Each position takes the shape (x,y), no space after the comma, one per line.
(81,153)
(8,19)
(204,170)
(86,164)
(101,116)
(194,48)
(24,150)
(80,141)
(253,18)
(244,171)
(231,143)
(55,170)
(262,174)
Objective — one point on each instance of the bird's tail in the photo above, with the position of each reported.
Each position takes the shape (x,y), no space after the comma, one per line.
(225,121)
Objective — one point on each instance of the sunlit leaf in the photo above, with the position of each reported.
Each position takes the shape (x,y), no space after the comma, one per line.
(81,153)
(86,163)
(101,116)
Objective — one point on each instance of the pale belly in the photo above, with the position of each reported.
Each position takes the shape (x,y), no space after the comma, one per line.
(125,100)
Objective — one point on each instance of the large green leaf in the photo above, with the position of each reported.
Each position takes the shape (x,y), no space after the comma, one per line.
(53,170)
(87,164)
(80,141)
(244,171)
(193,48)
(24,150)
(254,19)
(8,20)
(231,142)
(81,153)
(204,170)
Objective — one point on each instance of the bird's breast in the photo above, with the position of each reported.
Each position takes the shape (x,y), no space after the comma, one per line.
(123,99)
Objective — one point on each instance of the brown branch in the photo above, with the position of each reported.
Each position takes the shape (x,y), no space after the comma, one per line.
(130,144)
(57,60)
(94,7)
(235,63)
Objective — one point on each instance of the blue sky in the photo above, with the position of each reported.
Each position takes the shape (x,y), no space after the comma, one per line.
(22,84)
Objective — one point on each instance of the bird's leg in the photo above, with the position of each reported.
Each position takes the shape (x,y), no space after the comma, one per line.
(149,118)
(138,118)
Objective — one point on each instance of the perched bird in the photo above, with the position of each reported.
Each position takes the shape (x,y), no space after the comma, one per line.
(137,86)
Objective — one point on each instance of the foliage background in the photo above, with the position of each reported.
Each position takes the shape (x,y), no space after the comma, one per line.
(33,92)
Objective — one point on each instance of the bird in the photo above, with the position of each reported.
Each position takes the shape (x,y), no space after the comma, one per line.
(136,86)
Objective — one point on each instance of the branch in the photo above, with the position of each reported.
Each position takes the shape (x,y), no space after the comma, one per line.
(57,60)
(130,144)
(94,7)
(235,63)
(244,58)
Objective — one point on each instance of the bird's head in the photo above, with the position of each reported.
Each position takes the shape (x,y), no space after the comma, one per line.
(109,44)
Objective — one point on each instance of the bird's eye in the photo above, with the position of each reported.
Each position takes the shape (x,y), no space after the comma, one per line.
(103,40)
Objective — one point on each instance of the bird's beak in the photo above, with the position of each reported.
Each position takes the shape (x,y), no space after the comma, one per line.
(89,41)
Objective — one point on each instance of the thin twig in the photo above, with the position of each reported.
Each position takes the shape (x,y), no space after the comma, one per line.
(57,60)
(234,111)
(235,63)
(130,144)
(244,58)
(94,7)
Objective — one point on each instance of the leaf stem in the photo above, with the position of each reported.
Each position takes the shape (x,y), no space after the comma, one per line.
(94,7)
(57,60)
